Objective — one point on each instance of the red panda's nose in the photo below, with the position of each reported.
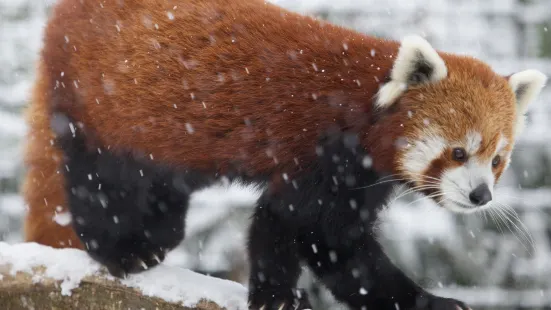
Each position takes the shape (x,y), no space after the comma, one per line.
(481,195)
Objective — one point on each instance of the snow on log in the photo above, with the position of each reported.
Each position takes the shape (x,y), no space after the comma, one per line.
(33,276)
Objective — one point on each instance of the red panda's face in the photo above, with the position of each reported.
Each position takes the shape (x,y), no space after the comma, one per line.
(459,121)
(458,137)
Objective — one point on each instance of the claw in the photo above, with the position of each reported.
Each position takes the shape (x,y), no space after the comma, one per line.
(281,306)
(155,257)
(143,264)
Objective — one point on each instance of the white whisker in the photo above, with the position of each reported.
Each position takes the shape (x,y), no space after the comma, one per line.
(437,194)
(521,233)
(416,189)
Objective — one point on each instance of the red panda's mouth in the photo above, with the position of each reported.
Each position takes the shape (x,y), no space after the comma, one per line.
(462,205)
(445,202)
(458,207)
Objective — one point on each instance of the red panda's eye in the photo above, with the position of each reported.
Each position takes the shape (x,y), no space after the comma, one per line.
(459,154)
(496,161)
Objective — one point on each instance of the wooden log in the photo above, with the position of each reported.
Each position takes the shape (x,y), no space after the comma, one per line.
(33,286)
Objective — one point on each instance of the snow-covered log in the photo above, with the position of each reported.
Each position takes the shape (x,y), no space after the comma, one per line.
(33,276)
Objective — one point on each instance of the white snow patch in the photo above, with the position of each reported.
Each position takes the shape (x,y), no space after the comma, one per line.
(62,219)
(68,265)
(168,283)
(215,202)
(496,297)
(188,287)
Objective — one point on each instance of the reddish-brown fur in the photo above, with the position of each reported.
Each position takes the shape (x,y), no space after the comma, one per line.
(44,188)
(224,83)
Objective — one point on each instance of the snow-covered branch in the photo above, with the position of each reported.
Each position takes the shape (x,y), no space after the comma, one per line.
(35,276)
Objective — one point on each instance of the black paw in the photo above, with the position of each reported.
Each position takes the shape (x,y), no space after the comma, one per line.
(298,300)
(122,260)
(431,302)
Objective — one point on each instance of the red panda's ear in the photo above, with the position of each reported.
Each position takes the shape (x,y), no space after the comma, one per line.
(417,62)
(526,85)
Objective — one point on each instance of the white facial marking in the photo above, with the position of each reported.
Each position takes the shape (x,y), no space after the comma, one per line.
(457,183)
(501,144)
(474,139)
(421,153)
(412,50)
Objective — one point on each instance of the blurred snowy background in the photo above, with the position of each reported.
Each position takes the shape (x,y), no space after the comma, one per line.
(489,264)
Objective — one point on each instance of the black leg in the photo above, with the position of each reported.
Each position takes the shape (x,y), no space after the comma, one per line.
(128,228)
(127,211)
(365,278)
(361,276)
(274,262)
(340,244)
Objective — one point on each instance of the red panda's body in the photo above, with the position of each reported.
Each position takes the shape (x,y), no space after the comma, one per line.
(244,87)
(208,87)
(210,84)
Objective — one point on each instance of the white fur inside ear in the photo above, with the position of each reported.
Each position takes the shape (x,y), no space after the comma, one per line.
(413,51)
(526,85)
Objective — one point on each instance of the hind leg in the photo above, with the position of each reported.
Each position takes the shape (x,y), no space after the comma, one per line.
(128,227)
(127,211)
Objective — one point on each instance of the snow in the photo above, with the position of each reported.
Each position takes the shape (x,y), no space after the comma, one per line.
(68,265)
(188,288)
(499,298)
(62,219)
(71,266)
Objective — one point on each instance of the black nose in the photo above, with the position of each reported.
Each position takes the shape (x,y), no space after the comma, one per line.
(481,195)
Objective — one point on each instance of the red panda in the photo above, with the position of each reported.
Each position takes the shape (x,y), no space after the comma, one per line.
(140,102)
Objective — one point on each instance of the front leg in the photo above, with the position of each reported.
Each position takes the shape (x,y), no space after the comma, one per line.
(364,277)
(274,262)
(340,245)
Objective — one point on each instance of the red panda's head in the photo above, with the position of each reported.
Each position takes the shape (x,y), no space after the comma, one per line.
(452,123)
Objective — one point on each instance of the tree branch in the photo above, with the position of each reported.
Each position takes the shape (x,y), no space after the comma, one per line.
(37,284)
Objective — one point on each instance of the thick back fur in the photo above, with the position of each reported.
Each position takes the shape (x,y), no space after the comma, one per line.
(210,85)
